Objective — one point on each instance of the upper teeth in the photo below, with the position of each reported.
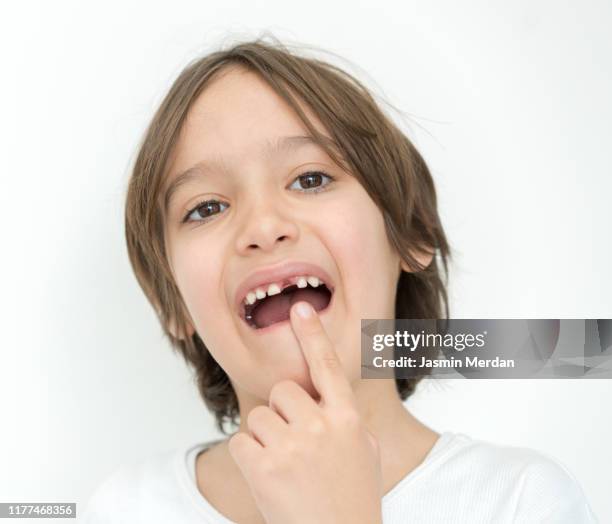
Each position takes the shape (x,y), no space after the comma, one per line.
(275,288)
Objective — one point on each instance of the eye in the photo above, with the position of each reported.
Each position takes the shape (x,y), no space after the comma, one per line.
(313,180)
(205,209)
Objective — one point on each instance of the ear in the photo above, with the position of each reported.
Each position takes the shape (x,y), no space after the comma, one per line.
(424,256)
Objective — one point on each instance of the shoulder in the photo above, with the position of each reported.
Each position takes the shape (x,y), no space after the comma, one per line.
(549,492)
(105,504)
(123,494)
(538,486)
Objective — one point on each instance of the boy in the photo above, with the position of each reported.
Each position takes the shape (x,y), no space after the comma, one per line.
(272,206)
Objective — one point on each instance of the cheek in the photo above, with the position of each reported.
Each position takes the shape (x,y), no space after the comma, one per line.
(358,242)
(198,272)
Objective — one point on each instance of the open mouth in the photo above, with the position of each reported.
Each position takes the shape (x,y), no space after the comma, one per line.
(273,309)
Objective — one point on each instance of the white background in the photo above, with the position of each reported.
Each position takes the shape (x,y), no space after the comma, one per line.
(509,102)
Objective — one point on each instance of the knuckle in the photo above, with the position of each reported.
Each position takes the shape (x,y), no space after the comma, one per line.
(348,418)
(273,466)
(266,467)
(329,362)
(281,388)
(290,448)
(257,413)
(316,426)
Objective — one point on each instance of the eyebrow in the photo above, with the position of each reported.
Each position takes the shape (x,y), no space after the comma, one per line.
(284,144)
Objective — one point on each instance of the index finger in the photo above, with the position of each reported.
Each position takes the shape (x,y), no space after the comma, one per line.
(326,372)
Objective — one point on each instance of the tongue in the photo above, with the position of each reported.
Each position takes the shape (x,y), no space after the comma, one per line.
(276,308)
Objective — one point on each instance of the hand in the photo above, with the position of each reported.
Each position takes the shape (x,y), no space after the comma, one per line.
(309,462)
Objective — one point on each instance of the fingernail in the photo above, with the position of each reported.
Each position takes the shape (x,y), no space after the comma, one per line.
(304,310)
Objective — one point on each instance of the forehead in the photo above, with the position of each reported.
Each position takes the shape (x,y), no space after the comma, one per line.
(234,118)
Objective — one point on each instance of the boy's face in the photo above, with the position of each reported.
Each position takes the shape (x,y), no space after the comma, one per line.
(267,216)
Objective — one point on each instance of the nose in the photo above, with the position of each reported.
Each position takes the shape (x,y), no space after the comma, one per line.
(266,224)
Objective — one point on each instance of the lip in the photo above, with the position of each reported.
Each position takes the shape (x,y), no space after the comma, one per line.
(277,273)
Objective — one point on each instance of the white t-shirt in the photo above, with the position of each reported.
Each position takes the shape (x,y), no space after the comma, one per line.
(460,480)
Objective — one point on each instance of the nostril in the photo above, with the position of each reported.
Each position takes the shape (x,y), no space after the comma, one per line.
(257,246)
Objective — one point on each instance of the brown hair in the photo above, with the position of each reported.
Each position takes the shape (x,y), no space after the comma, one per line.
(378,154)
